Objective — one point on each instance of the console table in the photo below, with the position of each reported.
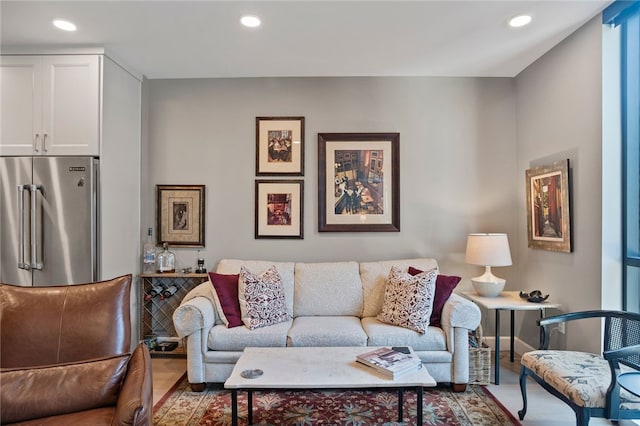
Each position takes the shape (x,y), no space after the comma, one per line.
(506,301)
(156,310)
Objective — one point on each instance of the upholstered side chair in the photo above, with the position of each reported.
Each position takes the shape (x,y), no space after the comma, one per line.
(588,382)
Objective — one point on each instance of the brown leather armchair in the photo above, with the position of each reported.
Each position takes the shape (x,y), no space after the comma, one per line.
(65,359)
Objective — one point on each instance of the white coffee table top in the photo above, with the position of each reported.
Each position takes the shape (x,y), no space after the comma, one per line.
(508,300)
(315,368)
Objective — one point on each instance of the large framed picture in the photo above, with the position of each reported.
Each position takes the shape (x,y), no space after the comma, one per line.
(359,182)
(280,146)
(180,215)
(548,207)
(279,209)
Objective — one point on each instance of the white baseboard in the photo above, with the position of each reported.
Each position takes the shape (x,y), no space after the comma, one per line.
(519,346)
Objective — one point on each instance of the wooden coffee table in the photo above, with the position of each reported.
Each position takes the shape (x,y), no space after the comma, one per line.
(316,368)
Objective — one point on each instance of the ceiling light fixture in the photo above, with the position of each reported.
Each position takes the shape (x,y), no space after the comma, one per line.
(520,21)
(64,25)
(250,21)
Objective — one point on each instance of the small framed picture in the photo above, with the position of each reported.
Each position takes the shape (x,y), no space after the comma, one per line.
(279,209)
(279,146)
(359,182)
(548,207)
(180,215)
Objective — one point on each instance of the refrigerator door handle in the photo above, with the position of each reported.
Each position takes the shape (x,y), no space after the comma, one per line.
(34,227)
(21,262)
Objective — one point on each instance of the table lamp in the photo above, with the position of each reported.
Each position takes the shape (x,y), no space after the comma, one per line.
(488,250)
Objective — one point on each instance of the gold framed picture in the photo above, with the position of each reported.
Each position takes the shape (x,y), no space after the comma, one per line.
(548,207)
(180,215)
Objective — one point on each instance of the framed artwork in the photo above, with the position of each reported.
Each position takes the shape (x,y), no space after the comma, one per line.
(279,209)
(359,182)
(548,215)
(180,215)
(280,146)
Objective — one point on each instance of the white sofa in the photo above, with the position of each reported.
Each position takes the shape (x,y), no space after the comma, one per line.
(332,304)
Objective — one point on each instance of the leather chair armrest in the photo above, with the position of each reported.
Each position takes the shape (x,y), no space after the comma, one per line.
(135,401)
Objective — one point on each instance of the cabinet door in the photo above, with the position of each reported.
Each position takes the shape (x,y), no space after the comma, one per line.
(21,105)
(71,105)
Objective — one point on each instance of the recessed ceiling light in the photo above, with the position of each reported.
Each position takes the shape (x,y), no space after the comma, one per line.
(520,21)
(250,21)
(64,25)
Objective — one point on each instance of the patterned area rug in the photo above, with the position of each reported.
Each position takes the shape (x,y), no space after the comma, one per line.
(476,406)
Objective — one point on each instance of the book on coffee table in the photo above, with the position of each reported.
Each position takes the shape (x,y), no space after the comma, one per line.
(391,362)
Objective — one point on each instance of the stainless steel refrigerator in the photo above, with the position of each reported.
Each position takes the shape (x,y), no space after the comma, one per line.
(48,220)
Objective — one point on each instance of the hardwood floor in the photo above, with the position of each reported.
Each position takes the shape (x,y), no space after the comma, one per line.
(544,409)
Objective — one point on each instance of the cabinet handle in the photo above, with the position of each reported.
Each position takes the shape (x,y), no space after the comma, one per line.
(35,143)
(44,142)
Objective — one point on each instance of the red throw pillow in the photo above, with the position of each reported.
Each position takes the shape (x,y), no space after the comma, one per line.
(444,287)
(226,288)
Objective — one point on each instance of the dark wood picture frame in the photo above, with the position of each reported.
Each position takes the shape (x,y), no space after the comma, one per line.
(358,182)
(279,209)
(279,146)
(548,207)
(180,216)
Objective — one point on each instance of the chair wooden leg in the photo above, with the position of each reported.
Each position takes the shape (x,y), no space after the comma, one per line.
(523,391)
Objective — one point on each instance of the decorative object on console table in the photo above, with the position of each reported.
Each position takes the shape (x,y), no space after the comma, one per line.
(160,295)
(279,146)
(279,209)
(548,203)
(488,250)
(180,214)
(166,261)
(359,182)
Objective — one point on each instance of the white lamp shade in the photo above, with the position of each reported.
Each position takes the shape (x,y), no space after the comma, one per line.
(488,250)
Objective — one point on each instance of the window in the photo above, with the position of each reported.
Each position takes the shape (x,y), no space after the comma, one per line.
(626,15)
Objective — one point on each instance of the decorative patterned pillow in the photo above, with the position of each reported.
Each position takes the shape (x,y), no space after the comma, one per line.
(408,300)
(225,296)
(444,287)
(261,298)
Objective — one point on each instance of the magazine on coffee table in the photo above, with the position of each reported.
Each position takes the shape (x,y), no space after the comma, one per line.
(392,362)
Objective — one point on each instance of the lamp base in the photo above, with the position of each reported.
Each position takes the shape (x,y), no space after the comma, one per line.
(488,285)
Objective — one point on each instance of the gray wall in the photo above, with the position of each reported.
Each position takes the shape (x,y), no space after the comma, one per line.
(559,115)
(465,144)
(457,149)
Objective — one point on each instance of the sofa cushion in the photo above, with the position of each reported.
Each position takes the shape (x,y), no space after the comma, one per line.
(382,334)
(226,298)
(32,393)
(222,338)
(261,297)
(285,269)
(374,280)
(327,331)
(444,287)
(327,289)
(408,299)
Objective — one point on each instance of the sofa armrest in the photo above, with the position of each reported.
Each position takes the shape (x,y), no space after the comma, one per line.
(135,401)
(194,315)
(460,312)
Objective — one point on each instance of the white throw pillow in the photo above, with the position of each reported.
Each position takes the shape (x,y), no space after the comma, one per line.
(261,297)
(408,300)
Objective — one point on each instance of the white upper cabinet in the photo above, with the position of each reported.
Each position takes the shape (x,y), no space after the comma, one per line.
(50,105)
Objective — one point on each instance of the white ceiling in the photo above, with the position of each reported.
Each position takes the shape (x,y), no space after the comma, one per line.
(188,39)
